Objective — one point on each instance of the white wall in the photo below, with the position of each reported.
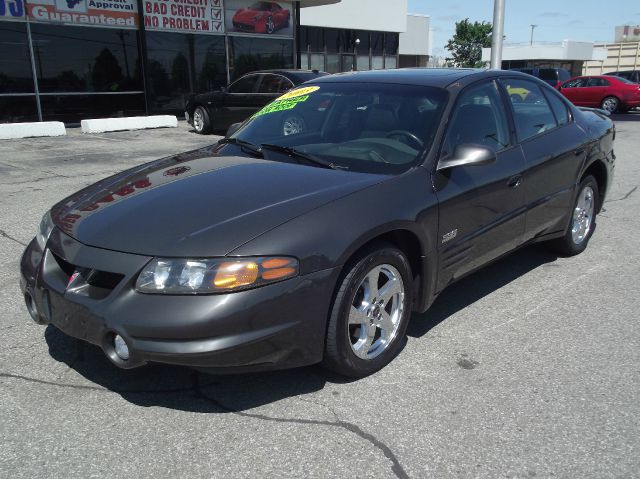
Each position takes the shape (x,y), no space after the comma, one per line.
(567,50)
(416,40)
(377,15)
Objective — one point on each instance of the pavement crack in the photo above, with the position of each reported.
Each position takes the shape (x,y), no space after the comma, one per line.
(629,193)
(4,234)
(396,467)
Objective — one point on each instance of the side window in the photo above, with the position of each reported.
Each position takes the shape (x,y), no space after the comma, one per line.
(532,113)
(559,108)
(244,85)
(478,118)
(593,81)
(274,84)
(285,85)
(576,83)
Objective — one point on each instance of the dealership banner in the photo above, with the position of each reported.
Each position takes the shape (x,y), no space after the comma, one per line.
(91,13)
(12,10)
(259,17)
(184,16)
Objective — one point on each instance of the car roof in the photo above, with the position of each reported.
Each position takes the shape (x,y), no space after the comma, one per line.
(437,77)
(297,76)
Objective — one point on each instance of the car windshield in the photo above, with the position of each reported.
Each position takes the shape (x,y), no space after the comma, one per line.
(368,127)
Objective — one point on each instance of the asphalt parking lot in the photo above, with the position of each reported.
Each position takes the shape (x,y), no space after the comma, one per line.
(529,368)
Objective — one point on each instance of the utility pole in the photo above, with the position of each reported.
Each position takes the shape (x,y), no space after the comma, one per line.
(497,33)
(532,28)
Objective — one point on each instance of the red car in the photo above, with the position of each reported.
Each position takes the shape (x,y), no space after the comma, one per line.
(261,17)
(611,93)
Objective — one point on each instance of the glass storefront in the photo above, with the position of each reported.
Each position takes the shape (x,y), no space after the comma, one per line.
(17,91)
(179,64)
(72,60)
(334,50)
(248,54)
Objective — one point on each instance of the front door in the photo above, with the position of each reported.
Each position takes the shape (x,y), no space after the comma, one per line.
(481,208)
(239,100)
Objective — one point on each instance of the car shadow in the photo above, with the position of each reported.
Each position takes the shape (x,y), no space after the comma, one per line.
(476,286)
(629,116)
(188,390)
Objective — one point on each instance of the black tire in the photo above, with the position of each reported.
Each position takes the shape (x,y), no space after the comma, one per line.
(339,355)
(567,246)
(610,104)
(204,127)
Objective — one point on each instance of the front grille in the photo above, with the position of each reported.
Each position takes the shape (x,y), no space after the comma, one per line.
(93,277)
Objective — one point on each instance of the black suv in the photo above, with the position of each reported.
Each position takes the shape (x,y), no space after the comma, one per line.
(631,75)
(553,76)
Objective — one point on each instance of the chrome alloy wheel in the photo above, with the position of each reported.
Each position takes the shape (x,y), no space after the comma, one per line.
(198,120)
(583,215)
(292,125)
(610,104)
(376,311)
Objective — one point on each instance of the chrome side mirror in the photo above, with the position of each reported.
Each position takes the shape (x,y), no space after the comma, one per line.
(468,155)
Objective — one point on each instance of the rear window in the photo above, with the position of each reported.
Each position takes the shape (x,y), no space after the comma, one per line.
(625,80)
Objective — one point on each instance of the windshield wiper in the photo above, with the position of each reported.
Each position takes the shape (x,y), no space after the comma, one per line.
(299,155)
(244,145)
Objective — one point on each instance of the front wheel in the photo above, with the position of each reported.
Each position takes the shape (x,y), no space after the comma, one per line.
(201,121)
(583,220)
(370,313)
(610,104)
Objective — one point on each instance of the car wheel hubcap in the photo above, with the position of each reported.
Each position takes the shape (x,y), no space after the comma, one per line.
(292,126)
(376,312)
(198,121)
(583,215)
(610,104)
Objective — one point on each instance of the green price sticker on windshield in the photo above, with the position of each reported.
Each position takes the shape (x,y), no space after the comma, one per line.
(282,105)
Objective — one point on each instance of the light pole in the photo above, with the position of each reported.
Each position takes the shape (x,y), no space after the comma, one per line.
(532,28)
(497,33)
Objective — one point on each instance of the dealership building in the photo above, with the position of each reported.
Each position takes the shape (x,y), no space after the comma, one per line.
(67,60)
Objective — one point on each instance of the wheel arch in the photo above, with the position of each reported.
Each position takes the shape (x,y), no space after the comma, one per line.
(598,170)
(407,241)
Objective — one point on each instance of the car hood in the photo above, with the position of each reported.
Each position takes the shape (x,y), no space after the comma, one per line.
(196,204)
(248,15)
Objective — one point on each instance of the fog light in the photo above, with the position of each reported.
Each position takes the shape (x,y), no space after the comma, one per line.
(122,350)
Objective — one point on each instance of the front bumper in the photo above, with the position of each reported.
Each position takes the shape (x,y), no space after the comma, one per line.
(272,327)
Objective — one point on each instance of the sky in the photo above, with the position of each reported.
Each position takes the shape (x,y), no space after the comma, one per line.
(583,20)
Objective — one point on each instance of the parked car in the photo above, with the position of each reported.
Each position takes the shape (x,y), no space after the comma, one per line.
(631,75)
(261,17)
(611,93)
(553,76)
(269,250)
(217,110)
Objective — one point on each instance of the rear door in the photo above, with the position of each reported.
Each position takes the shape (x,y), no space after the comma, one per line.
(574,90)
(554,149)
(240,100)
(481,208)
(595,91)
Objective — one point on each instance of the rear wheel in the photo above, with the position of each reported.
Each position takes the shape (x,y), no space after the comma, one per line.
(610,104)
(583,220)
(370,313)
(201,121)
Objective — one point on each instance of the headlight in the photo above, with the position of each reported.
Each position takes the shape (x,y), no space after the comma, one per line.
(192,276)
(44,230)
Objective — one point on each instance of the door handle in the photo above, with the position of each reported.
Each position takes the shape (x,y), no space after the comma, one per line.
(514,181)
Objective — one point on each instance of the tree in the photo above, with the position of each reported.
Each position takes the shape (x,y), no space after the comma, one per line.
(467,43)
